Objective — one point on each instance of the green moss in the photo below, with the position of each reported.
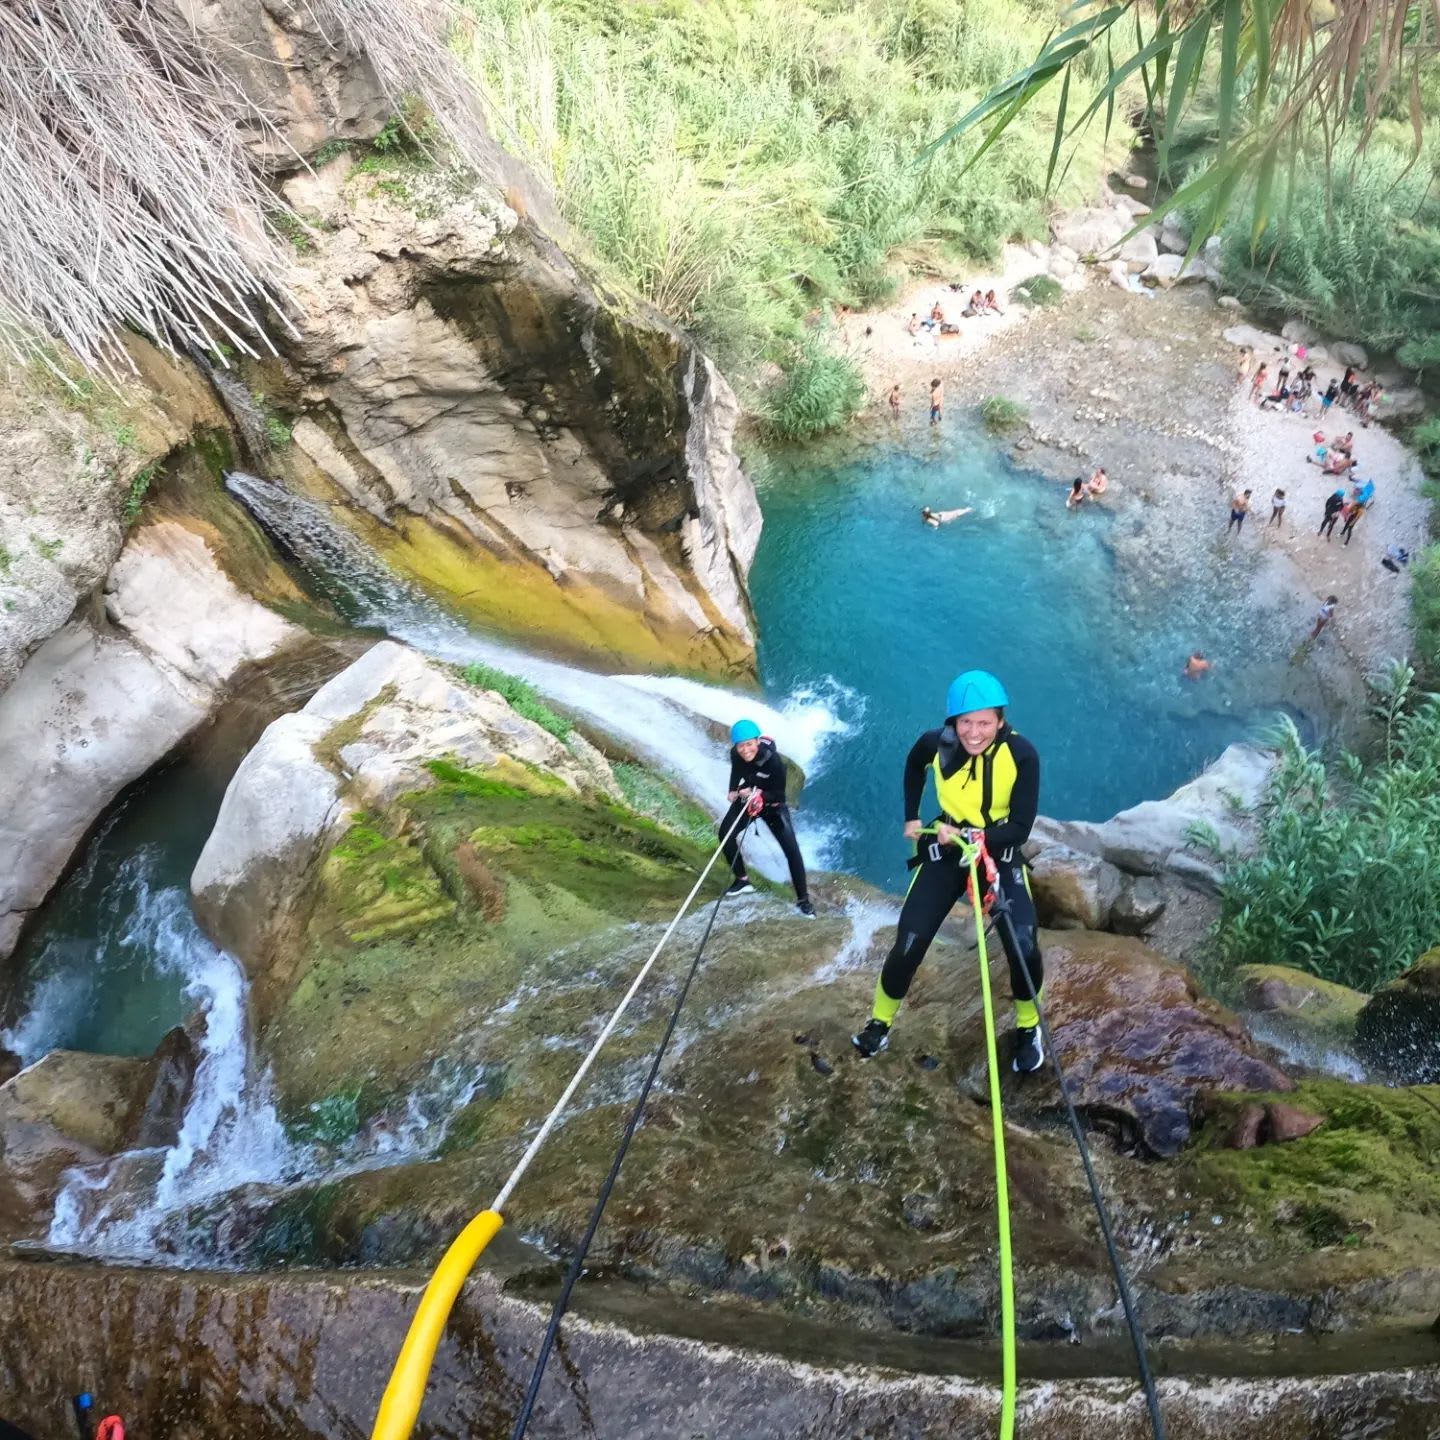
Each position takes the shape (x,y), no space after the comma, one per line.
(653,796)
(374,886)
(328,749)
(1372,1170)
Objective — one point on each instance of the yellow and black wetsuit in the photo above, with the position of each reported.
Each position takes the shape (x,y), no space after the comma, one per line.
(998,792)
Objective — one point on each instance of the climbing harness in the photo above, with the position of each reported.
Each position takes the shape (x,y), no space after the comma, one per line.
(577,1264)
(400,1405)
(976,856)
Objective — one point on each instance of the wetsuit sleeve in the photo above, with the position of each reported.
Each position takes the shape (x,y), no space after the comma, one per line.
(775,785)
(734,770)
(917,764)
(1024,799)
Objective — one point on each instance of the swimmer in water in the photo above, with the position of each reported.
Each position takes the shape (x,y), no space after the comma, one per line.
(937,518)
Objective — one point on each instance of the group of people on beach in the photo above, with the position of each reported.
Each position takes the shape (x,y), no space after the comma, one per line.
(978,305)
(1298,392)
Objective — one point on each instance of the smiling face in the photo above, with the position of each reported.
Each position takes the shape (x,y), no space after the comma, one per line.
(977,730)
(747,750)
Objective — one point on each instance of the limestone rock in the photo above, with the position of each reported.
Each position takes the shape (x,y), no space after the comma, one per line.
(1165,270)
(1300,332)
(1303,1004)
(1402,402)
(364,738)
(1135,182)
(1151,837)
(1073,890)
(1061,269)
(1263,342)
(559,462)
(1139,252)
(1064,252)
(1272,1124)
(1346,352)
(1140,1043)
(65,1110)
(1173,238)
(1140,903)
(1398,1032)
(1245,1132)
(95,708)
(1131,205)
(1229,302)
(1088,232)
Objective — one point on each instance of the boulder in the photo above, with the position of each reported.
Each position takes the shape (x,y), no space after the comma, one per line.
(157,1122)
(1139,252)
(1303,1004)
(96,707)
(1064,252)
(1263,342)
(1398,1032)
(1173,239)
(1131,206)
(10,1064)
(1346,352)
(1165,270)
(1139,1043)
(1401,402)
(1229,302)
(1088,232)
(1300,332)
(1061,269)
(1135,182)
(1272,1124)
(67,1109)
(1152,837)
(1140,903)
(1073,890)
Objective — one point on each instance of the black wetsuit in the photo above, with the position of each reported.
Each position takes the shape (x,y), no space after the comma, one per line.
(1333,506)
(765,773)
(940,880)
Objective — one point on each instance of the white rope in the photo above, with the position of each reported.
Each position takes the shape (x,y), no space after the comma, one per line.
(498,1204)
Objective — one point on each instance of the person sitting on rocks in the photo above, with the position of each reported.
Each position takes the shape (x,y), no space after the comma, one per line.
(937,317)
(991,304)
(975,307)
(1098,483)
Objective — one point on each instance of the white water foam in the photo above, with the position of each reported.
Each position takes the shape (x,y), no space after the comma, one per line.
(664,720)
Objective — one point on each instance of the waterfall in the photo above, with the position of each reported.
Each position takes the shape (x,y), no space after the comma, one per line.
(664,720)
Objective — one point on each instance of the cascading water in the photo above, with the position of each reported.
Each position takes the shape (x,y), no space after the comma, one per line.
(661,719)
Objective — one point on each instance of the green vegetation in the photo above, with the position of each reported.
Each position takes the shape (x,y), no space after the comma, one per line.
(523,698)
(742,164)
(1343,884)
(820,391)
(1038,290)
(49,549)
(1000,414)
(651,794)
(135,497)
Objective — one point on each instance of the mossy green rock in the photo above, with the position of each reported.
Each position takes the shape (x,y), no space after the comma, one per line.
(1398,1032)
(1302,1004)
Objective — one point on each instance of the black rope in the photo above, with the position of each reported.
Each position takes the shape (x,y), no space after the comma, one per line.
(1132,1315)
(562,1301)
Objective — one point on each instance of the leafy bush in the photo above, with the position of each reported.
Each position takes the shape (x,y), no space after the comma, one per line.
(1343,884)
(1357,258)
(1000,414)
(1038,290)
(523,698)
(820,391)
(740,164)
(135,498)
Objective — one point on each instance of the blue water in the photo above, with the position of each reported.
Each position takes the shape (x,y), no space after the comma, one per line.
(849,584)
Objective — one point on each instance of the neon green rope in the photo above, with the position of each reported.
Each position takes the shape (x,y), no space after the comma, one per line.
(1002,1188)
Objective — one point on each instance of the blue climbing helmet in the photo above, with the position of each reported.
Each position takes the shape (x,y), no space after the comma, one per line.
(744,730)
(974,690)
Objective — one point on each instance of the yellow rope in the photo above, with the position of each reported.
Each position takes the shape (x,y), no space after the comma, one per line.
(1002,1188)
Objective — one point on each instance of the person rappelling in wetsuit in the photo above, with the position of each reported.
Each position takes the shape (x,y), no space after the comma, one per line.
(987,780)
(756,769)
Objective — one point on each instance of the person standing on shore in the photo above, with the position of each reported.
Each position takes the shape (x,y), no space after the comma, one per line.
(937,400)
(1324,615)
(987,785)
(1351,515)
(894,402)
(1333,507)
(1257,384)
(1239,509)
(1277,508)
(757,770)
(1247,362)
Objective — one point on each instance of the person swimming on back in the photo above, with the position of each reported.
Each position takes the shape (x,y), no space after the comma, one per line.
(936,518)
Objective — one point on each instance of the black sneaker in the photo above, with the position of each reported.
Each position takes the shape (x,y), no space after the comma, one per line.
(872,1039)
(805,908)
(742,886)
(1029,1049)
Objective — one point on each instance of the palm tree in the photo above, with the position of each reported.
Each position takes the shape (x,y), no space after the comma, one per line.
(1288,73)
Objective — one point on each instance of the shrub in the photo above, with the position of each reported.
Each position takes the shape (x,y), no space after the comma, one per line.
(1343,883)
(1000,414)
(1038,290)
(135,498)
(523,698)
(820,392)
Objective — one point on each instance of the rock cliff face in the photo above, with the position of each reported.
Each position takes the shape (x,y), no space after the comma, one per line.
(556,460)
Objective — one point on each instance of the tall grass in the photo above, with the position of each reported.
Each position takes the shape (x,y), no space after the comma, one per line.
(1344,882)
(742,163)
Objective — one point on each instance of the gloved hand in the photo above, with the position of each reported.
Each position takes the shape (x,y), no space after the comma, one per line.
(754,803)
